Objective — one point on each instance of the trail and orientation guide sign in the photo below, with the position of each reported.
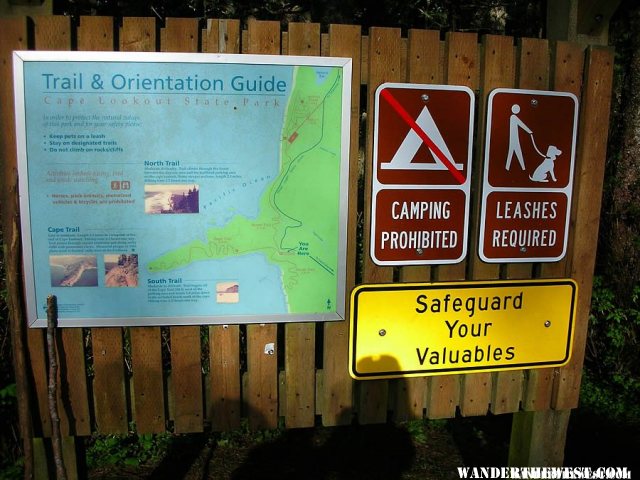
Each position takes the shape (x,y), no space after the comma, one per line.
(411,330)
(183,188)
(423,139)
(528,175)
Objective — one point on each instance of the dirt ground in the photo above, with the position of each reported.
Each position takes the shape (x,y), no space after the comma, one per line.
(411,451)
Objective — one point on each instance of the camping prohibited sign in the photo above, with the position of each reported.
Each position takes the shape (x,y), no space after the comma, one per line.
(423,137)
(528,175)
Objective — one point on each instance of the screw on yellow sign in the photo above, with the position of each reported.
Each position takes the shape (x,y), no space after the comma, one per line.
(410,330)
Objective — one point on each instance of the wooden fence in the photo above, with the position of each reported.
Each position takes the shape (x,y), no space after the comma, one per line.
(191,378)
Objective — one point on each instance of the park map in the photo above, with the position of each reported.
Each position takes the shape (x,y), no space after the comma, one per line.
(170,192)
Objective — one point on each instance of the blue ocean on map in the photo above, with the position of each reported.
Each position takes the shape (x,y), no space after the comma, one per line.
(259,287)
(260,283)
(322,74)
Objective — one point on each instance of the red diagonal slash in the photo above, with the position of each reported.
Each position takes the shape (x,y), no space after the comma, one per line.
(421,133)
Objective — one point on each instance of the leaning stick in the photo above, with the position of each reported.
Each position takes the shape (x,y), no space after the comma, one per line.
(56,440)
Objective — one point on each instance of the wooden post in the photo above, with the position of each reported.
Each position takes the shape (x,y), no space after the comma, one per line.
(13,36)
(581,21)
(538,438)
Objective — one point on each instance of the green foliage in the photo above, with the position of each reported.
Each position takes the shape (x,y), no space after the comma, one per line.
(8,396)
(611,381)
(127,450)
(521,17)
(417,430)
(11,463)
(244,436)
(12,471)
(10,455)
(421,429)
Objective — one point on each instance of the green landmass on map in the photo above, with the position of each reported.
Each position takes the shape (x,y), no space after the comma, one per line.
(297,224)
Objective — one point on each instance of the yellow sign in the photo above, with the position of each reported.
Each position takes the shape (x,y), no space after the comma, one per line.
(409,330)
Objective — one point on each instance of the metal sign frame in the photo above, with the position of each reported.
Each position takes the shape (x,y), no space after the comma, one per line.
(124,64)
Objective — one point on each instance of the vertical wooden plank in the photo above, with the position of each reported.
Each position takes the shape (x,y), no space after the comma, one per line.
(54,33)
(423,66)
(70,458)
(590,160)
(364,62)
(148,394)
(224,354)
(443,391)
(38,370)
(139,35)
(262,368)
(221,36)
(498,70)
(181,35)
(35,337)
(73,398)
(538,438)
(423,58)
(533,74)
(300,375)
(95,34)
(462,61)
(40,463)
(224,411)
(533,64)
(109,393)
(337,394)
(300,338)
(261,397)
(385,65)
(109,397)
(186,379)
(13,36)
(37,364)
(568,66)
